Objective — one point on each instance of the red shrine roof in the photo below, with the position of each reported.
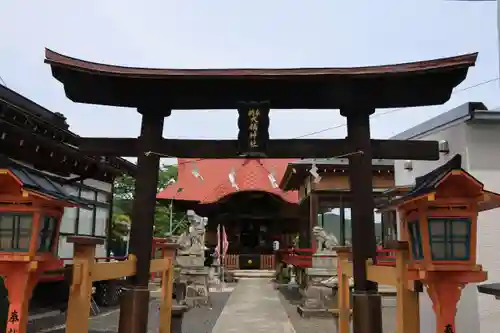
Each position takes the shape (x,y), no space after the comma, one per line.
(252,174)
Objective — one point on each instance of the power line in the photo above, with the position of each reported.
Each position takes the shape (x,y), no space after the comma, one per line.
(379,114)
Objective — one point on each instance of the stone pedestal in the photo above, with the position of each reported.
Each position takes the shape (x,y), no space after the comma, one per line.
(189,260)
(319,295)
(326,260)
(195,282)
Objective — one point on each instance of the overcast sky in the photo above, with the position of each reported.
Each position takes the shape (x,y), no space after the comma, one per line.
(259,33)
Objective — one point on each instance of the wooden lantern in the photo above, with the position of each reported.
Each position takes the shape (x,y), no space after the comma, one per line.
(31,209)
(438,218)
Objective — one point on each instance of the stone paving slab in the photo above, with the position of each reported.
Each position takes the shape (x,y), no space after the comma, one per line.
(290,298)
(253,307)
(197,320)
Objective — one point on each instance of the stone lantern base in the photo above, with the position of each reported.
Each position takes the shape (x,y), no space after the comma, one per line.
(319,295)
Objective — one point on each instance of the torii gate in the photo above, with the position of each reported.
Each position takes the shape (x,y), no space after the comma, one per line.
(357,92)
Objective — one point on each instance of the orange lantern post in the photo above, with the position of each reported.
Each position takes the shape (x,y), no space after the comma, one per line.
(439,220)
(30,217)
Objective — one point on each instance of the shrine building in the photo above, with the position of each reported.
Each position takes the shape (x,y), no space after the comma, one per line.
(327,198)
(39,150)
(243,195)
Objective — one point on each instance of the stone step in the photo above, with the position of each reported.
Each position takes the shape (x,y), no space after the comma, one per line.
(385,289)
(260,273)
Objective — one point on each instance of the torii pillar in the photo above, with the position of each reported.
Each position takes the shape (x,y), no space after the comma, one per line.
(367,304)
(134,306)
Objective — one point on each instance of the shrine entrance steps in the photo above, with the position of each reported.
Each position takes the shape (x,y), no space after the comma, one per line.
(253,273)
(254,307)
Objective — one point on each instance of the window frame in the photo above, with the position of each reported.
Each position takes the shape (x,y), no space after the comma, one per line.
(15,231)
(52,233)
(449,239)
(417,252)
(93,204)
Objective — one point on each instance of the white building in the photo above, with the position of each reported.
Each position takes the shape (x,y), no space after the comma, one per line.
(87,222)
(474,132)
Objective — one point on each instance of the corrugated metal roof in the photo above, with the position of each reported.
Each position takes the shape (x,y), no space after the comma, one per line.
(466,112)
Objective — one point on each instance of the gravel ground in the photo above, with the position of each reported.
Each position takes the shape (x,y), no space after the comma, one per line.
(196,320)
(202,320)
(290,298)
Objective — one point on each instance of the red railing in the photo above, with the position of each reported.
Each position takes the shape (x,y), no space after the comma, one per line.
(303,257)
(386,257)
(266,261)
(231,261)
(297,257)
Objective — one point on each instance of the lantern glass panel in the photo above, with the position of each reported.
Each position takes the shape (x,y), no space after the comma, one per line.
(47,235)
(416,240)
(450,238)
(15,231)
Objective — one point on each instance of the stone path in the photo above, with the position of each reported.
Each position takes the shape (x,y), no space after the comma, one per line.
(253,307)
(290,298)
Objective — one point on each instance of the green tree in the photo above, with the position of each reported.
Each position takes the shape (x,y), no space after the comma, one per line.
(124,187)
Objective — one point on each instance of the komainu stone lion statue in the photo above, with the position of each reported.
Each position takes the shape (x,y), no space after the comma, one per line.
(326,241)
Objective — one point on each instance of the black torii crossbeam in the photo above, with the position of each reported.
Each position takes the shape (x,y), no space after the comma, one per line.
(280,148)
(357,92)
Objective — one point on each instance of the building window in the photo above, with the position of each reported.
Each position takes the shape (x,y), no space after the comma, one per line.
(69,220)
(101,221)
(416,240)
(88,194)
(71,190)
(86,221)
(450,238)
(103,197)
(15,231)
(47,233)
(89,220)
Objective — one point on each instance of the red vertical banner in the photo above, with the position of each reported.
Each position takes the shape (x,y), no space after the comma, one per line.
(217,249)
(225,243)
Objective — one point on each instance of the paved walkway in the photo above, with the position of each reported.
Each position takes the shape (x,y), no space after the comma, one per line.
(254,307)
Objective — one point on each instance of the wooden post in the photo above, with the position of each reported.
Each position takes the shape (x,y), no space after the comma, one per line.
(80,294)
(342,221)
(153,256)
(313,219)
(407,301)
(445,294)
(167,287)
(20,281)
(343,292)
(367,304)
(134,305)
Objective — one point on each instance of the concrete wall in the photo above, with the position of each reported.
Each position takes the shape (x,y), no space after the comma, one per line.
(484,164)
(457,134)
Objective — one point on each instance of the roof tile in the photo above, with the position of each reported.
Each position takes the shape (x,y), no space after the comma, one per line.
(252,174)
